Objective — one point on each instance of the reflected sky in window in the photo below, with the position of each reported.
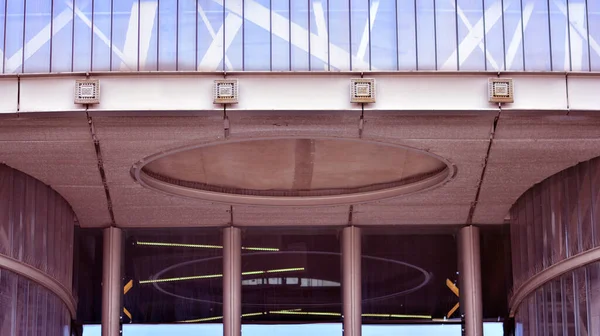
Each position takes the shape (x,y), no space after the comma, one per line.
(316,35)
(329,329)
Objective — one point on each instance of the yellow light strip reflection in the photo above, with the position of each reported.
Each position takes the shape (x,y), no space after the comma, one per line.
(212,276)
(298,312)
(218,318)
(289,312)
(143,243)
(398,316)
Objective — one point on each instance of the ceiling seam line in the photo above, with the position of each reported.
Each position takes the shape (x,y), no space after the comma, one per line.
(484,169)
(101,170)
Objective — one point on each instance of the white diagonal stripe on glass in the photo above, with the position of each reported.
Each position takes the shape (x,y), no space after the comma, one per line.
(97,32)
(212,33)
(473,39)
(364,40)
(41,38)
(214,54)
(518,35)
(259,15)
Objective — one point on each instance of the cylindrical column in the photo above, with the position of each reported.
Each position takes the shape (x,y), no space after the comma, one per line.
(111,281)
(351,257)
(232,282)
(469,266)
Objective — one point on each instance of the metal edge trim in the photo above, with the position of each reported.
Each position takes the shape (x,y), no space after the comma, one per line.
(40,278)
(550,273)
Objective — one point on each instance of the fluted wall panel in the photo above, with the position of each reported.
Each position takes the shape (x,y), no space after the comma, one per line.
(557,219)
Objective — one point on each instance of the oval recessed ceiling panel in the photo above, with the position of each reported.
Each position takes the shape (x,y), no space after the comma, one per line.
(293,171)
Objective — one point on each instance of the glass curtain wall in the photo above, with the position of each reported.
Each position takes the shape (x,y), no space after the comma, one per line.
(294,35)
(291,277)
(172,276)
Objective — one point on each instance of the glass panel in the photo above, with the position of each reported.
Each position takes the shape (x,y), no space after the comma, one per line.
(291,276)
(300,35)
(339,36)
(280,52)
(167,36)
(37,35)
(125,18)
(593,21)
(14,36)
(175,276)
(257,37)
(30,309)
(426,39)
(233,35)
(383,30)
(359,19)
(186,53)
(537,36)
(62,37)
(210,36)
(578,35)
(471,36)
(559,33)
(149,35)
(87,282)
(2,23)
(446,30)
(319,35)
(404,276)
(82,45)
(513,30)
(495,40)
(407,44)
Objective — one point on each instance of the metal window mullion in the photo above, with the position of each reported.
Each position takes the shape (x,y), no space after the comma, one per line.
(587,22)
(24,30)
(270,35)
(92,38)
(328,39)
(568,51)
(177,33)
(51,33)
(4,37)
(350,31)
(309,37)
(397,36)
(435,42)
(224,33)
(416,38)
(289,35)
(369,27)
(485,60)
(522,35)
(139,23)
(503,35)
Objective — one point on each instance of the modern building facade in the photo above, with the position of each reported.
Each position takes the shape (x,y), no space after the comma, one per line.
(282,167)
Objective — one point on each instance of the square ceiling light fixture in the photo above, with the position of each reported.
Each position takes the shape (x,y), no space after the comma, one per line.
(87,91)
(362,90)
(226,91)
(501,90)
